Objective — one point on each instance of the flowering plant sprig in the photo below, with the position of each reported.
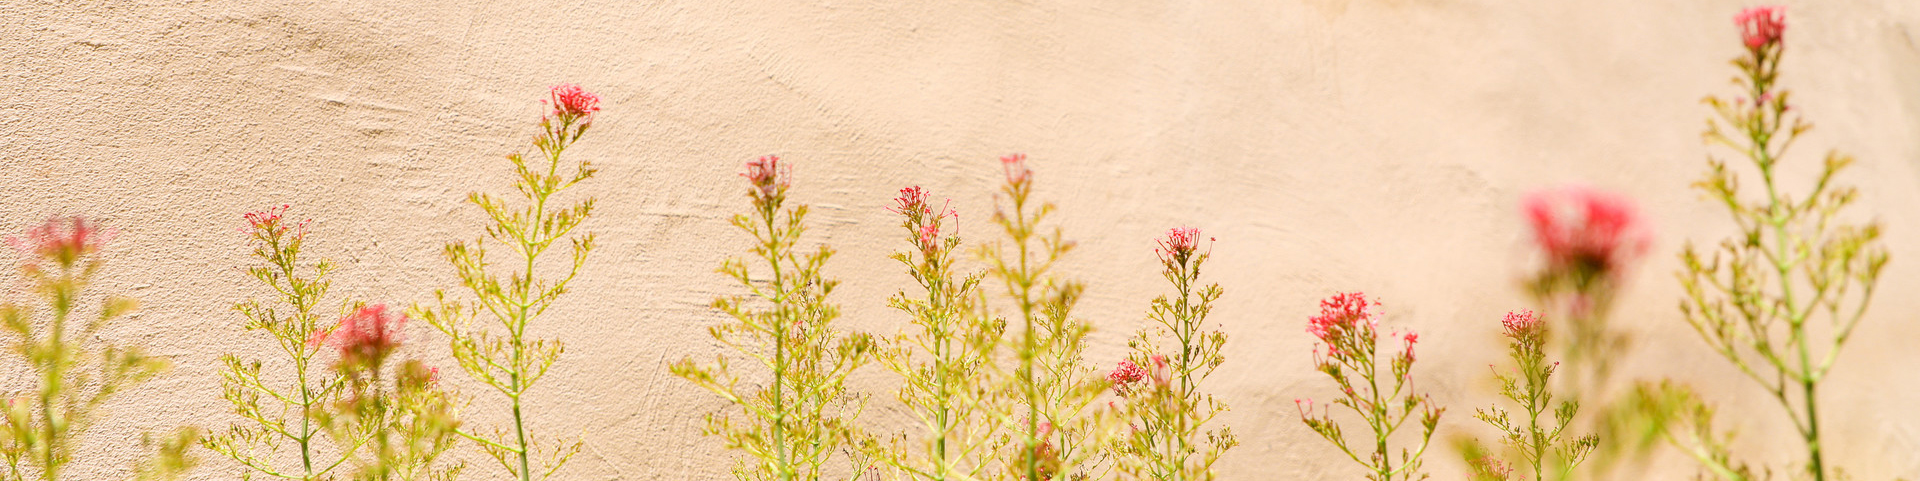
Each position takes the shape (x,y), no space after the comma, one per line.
(793,421)
(1164,409)
(507,359)
(1059,435)
(77,371)
(1347,330)
(288,416)
(1542,448)
(949,391)
(1589,239)
(1795,260)
(397,408)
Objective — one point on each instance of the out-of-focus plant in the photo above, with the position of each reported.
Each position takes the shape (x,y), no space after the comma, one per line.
(793,420)
(1347,328)
(1780,299)
(77,371)
(395,408)
(1589,239)
(1058,434)
(506,358)
(1539,448)
(950,390)
(1165,412)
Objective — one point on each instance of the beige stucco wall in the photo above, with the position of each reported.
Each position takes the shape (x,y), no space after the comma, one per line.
(1379,145)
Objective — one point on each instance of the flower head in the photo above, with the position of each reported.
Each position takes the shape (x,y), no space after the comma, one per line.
(1178,245)
(269,222)
(366,336)
(1523,325)
(1340,316)
(61,239)
(572,103)
(1761,26)
(1015,167)
(912,201)
(768,175)
(1124,376)
(1587,233)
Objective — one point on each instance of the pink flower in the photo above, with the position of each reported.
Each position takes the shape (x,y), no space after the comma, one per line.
(1016,168)
(1160,372)
(1586,232)
(1340,315)
(912,200)
(1761,26)
(366,336)
(570,102)
(1178,245)
(1410,338)
(62,239)
(768,175)
(270,223)
(929,237)
(1124,376)
(1523,324)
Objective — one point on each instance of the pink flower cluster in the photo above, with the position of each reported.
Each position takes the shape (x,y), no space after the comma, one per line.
(270,222)
(1523,324)
(769,175)
(1178,245)
(1125,375)
(1586,231)
(1340,315)
(571,103)
(61,239)
(1761,26)
(1016,169)
(366,336)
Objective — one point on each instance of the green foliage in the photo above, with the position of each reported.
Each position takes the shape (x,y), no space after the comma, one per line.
(502,355)
(78,372)
(1348,329)
(1542,449)
(950,390)
(1057,434)
(795,412)
(1166,412)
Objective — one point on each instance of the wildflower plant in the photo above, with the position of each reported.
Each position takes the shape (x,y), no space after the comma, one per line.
(1590,239)
(792,421)
(1780,299)
(77,371)
(504,356)
(1166,413)
(946,360)
(1538,447)
(1348,333)
(394,409)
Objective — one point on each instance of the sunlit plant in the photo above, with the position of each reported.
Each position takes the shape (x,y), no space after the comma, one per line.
(1781,298)
(1057,432)
(502,355)
(1540,448)
(945,359)
(795,411)
(1348,333)
(77,372)
(1166,413)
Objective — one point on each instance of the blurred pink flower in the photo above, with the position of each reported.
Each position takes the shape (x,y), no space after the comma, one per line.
(1523,324)
(768,175)
(366,336)
(1761,26)
(1586,232)
(571,102)
(1124,376)
(1016,169)
(61,239)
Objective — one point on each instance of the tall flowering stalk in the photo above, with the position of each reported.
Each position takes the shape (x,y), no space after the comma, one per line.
(287,417)
(506,358)
(77,371)
(792,421)
(1795,262)
(1542,447)
(1057,433)
(948,390)
(1164,408)
(1347,330)
(1590,239)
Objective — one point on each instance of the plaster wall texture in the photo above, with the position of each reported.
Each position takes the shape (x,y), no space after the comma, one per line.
(1329,145)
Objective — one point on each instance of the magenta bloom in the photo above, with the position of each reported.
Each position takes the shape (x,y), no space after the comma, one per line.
(1016,168)
(912,200)
(62,239)
(1341,314)
(1523,324)
(1124,376)
(1761,26)
(1587,232)
(570,102)
(366,336)
(1178,245)
(769,175)
(269,222)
